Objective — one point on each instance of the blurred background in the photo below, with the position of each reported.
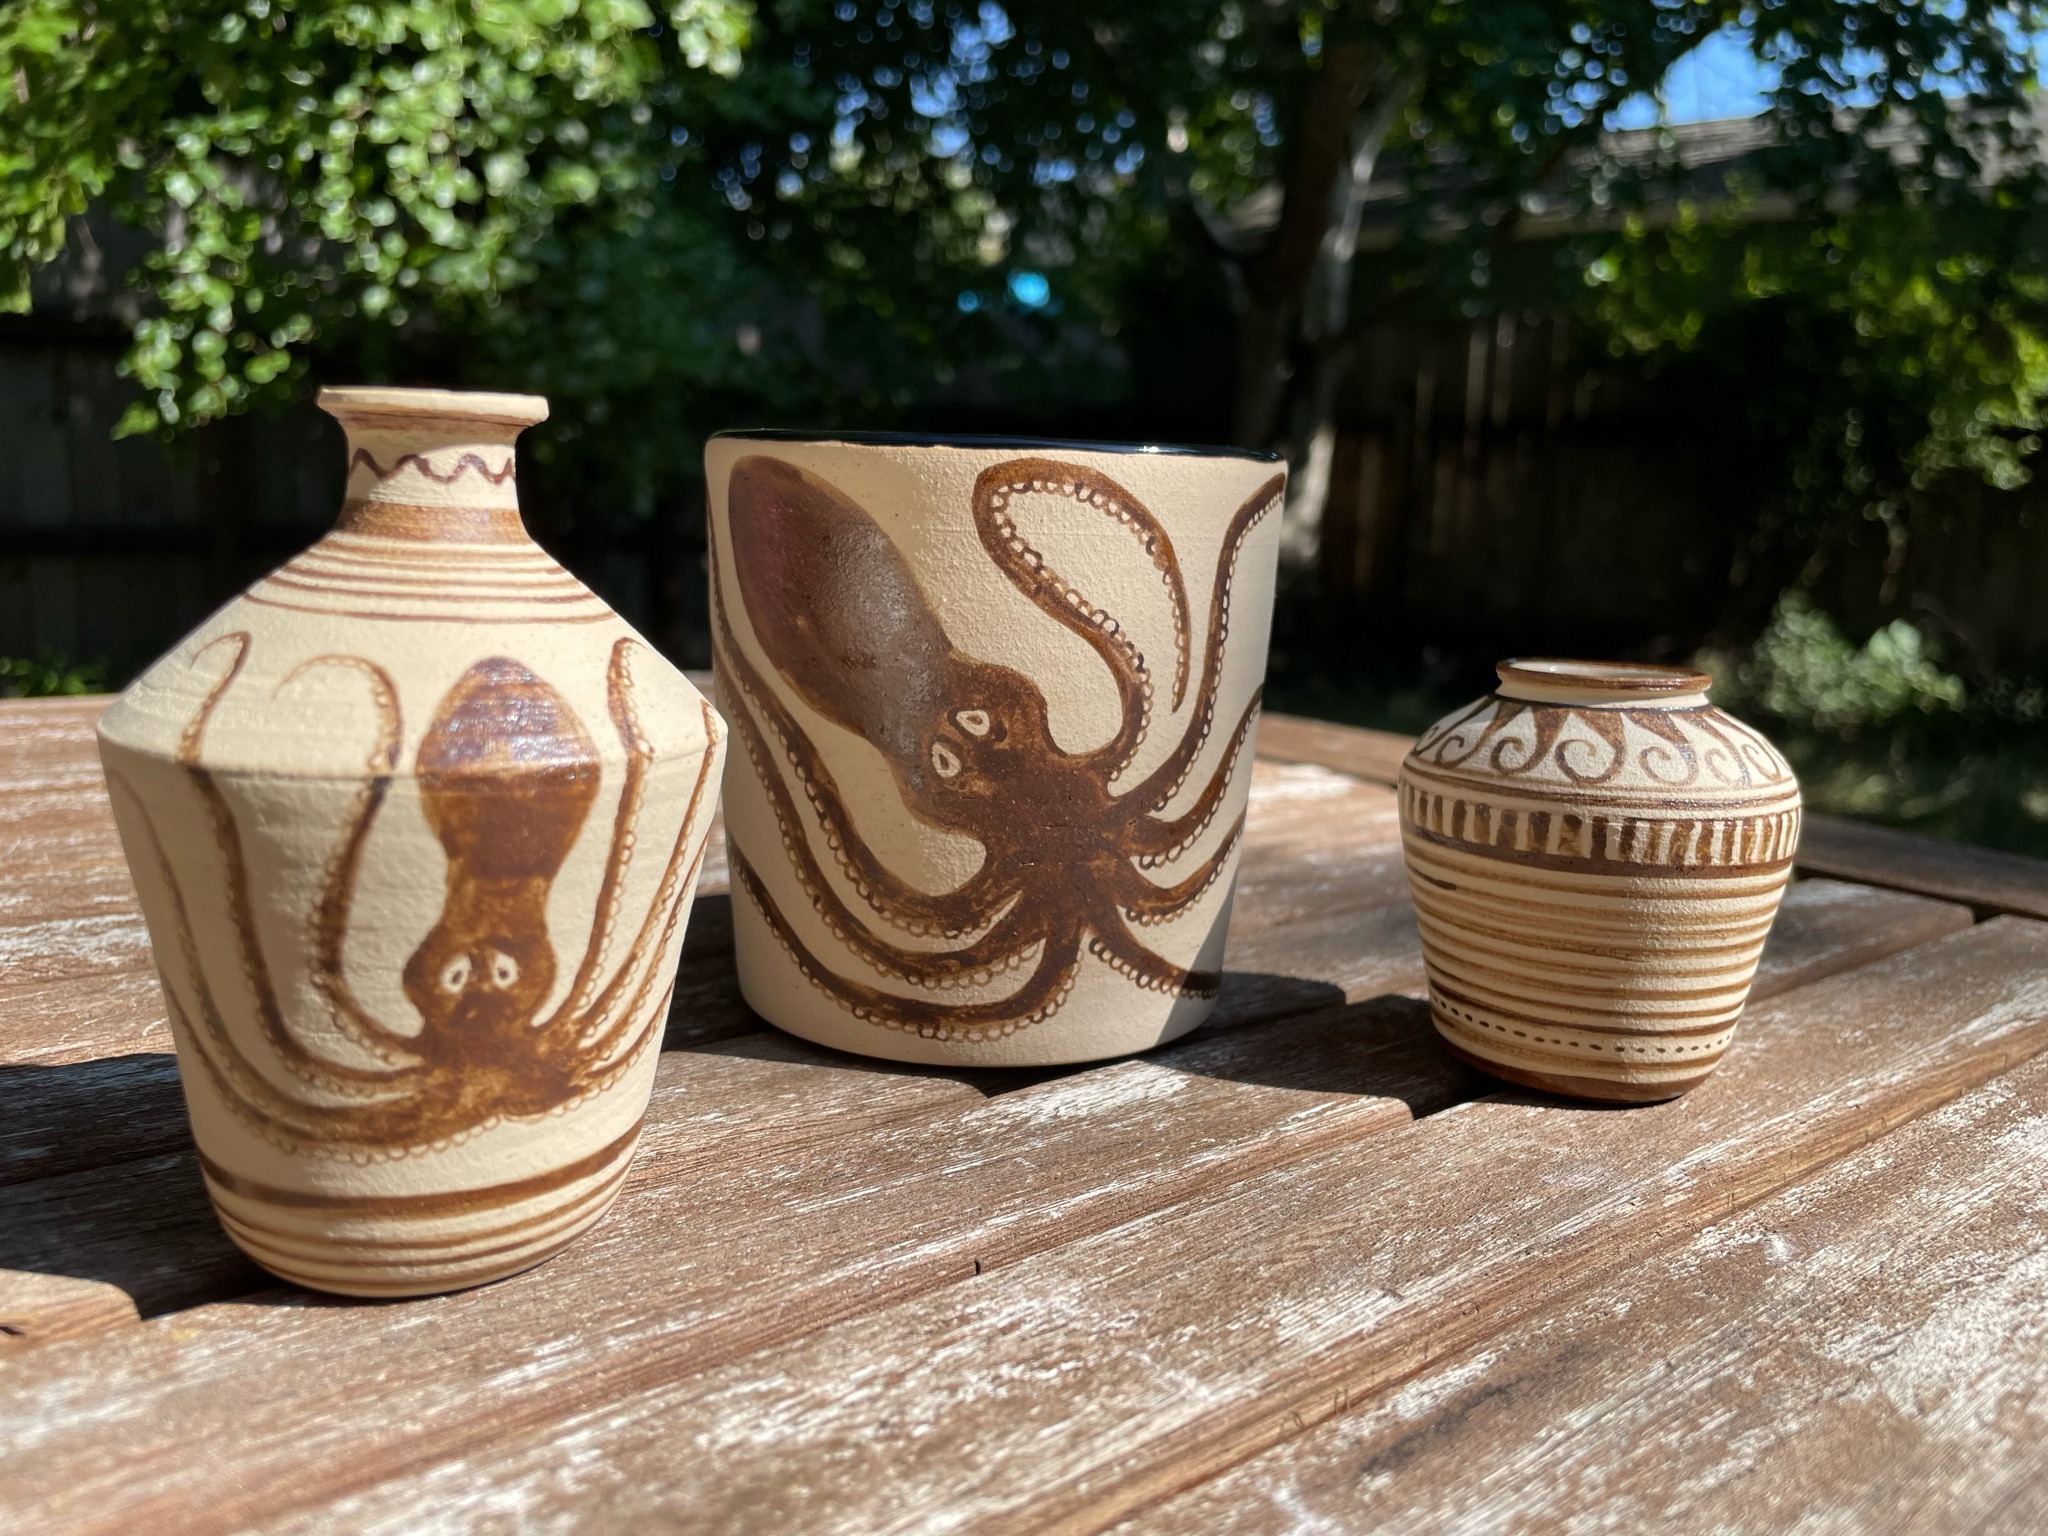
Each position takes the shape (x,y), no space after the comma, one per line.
(1647,329)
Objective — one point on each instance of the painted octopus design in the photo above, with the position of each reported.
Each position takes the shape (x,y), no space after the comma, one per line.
(838,612)
(507,777)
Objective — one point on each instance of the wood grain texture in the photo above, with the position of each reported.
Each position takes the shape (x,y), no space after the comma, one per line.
(227,1414)
(1866,1351)
(37,1309)
(142,1219)
(1090,1382)
(1984,878)
(144,1225)
(1371,755)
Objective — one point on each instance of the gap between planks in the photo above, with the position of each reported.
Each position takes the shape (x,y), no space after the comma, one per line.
(117,1198)
(1866,1350)
(687,1277)
(1091,1382)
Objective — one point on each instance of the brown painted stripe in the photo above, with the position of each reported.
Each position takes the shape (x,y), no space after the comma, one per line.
(315,1241)
(1577,877)
(282,579)
(531,558)
(1673,947)
(429,618)
(1730,799)
(1596,860)
(488,1197)
(1559,976)
(1652,1025)
(466,578)
(464,522)
(1618,1045)
(341,1256)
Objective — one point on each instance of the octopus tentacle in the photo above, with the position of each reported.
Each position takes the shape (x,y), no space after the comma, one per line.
(1167,778)
(948,915)
(1113,944)
(973,964)
(600,1063)
(337,897)
(1147,903)
(1046,588)
(592,1042)
(1040,996)
(625,824)
(1158,842)
(227,834)
(273,1114)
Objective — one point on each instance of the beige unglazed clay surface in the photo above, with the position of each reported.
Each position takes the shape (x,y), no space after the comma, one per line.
(969,707)
(1595,869)
(415,822)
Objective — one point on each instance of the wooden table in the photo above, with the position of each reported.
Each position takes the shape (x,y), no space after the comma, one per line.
(1300,1272)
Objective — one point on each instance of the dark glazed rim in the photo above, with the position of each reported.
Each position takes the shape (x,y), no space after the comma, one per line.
(972,440)
(1632,678)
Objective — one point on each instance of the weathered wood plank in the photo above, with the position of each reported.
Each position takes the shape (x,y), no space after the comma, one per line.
(240,1410)
(1866,1351)
(36,1309)
(125,1114)
(1373,755)
(1984,878)
(144,1225)
(1090,1382)
(1824,926)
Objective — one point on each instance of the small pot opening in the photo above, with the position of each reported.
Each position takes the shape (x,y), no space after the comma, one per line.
(1552,680)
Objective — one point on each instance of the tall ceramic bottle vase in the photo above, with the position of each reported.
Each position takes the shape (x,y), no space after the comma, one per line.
(1597,855)
(416,822)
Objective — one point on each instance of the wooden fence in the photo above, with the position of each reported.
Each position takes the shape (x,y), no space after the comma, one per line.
(1485,492)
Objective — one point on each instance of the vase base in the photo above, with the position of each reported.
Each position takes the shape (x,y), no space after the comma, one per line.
(1608,1090)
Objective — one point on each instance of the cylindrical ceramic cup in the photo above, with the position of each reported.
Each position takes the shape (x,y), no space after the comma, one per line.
(995,702)
(1596,854)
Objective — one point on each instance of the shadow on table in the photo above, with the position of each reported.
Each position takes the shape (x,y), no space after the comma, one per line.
(1383,1047)
(98,1182)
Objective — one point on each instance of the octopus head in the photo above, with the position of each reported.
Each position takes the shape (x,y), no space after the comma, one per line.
(842,617)
(507,775)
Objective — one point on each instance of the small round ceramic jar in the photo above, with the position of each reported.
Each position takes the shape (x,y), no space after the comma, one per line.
(1596,855)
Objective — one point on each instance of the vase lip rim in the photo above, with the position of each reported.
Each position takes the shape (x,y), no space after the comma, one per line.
(1560,679)
(347,402)
(982,440)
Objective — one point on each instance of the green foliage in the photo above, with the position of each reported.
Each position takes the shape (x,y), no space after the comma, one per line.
(1871,351)
(870,210)
(318,163)
(1803,670)
(1882,731)
(49,676)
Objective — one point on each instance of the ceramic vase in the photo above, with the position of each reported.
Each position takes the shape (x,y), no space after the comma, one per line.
(995,704)
(415,822)
(1596,855)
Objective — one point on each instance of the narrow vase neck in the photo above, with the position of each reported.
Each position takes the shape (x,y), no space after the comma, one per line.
(432,465)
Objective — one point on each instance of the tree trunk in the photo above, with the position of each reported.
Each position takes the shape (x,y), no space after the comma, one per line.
(1325,312)
(1275,278)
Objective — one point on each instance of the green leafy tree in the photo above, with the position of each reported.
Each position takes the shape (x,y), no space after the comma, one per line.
(876,209)
(314,164)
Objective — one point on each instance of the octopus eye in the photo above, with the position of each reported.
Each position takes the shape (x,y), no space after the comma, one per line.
(455,974)
(945,759)
(504,969)
(974,722)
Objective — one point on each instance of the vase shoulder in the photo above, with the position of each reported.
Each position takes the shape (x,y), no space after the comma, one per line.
(362,638)
(1589,749)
